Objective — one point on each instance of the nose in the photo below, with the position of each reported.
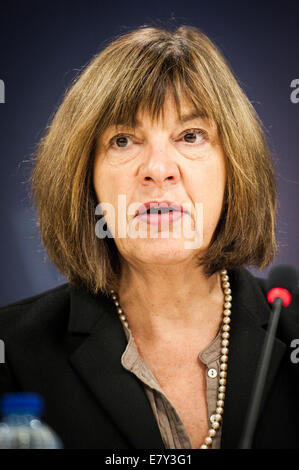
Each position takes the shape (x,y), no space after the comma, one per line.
(158,167)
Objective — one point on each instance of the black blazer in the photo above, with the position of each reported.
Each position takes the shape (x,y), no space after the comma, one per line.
(66,344)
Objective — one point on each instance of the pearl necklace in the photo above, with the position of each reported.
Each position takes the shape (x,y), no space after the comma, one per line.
(223,359)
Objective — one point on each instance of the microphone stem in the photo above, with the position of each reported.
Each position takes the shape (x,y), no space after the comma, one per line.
(258,388)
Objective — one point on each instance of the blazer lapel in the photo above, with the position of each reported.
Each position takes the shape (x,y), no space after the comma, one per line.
(250,314)
(98,362)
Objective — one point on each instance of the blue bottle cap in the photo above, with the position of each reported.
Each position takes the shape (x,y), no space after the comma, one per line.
(22,403)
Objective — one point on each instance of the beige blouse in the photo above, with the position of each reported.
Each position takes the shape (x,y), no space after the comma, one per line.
(172,429)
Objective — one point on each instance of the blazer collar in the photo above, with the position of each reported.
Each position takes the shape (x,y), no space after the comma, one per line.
(98,361)
(249,319)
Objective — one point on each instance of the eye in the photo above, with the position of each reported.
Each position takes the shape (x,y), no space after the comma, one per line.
(119,141)
(190,136)
(194,136)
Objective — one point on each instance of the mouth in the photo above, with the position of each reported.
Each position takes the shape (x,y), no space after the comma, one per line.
(159,212)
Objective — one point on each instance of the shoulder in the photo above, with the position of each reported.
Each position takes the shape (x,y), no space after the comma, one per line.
(253,292)
(288,313)
(43,310)
(51,294)
(248,283)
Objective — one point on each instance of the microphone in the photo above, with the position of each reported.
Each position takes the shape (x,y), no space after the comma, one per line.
(281,285)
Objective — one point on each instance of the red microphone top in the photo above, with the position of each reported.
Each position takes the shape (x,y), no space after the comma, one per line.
(281,293)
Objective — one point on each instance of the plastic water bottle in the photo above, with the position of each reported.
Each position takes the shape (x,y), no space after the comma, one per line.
(21,426)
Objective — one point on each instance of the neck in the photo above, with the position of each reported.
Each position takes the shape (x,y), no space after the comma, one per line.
(164,300)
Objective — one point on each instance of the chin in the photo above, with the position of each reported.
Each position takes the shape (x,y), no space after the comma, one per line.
(163,251)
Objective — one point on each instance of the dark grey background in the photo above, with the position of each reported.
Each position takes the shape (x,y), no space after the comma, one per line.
(44,43)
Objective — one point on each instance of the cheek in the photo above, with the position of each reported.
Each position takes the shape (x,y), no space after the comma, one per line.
(105,183)
(209,190)
(210,181)
(96,178)
(106,193)
(112,187)
(213,191)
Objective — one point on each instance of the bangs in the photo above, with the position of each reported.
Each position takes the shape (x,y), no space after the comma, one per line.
(145,87)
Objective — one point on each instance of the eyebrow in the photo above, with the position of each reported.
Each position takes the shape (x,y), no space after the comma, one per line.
(191,116)
(185,118)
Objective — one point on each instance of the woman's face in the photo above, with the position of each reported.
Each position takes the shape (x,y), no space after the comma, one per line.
(179,162)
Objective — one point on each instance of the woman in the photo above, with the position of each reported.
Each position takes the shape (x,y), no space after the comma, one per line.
(154,188)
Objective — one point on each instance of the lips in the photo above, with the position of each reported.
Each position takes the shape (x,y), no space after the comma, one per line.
(159,207)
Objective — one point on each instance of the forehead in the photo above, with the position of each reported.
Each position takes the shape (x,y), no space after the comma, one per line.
(177,112)
(170,112)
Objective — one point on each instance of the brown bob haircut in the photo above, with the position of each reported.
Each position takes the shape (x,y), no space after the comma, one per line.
(134,72)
